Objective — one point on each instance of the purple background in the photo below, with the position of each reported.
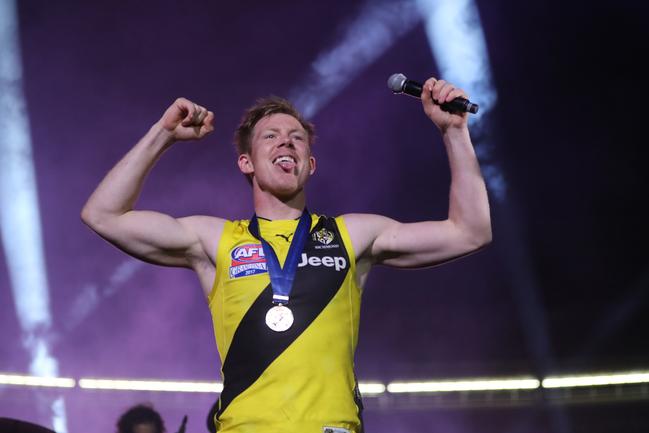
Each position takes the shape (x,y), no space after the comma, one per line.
(563,287)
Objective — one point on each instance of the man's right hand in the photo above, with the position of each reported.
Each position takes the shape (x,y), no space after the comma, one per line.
(186,120)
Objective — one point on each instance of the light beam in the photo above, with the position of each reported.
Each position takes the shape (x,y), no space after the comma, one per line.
(19,213)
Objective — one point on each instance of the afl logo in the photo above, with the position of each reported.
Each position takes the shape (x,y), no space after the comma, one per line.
(248,253)
(247,260)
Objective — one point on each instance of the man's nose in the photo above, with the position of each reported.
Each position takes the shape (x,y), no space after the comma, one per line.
(287,142)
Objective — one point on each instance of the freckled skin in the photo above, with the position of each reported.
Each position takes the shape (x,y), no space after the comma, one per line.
(275,135)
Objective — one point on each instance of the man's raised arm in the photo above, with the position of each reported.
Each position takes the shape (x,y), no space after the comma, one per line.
(147,235)
(378,239)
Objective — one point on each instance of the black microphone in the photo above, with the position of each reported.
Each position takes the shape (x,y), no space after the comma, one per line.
(183,425)
(398,83)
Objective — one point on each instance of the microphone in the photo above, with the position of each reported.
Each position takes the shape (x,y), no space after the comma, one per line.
(183,425)
(398,83)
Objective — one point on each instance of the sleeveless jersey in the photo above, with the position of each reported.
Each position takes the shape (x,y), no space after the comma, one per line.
(302,379)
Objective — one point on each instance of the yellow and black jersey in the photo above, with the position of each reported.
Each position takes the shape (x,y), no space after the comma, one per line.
(302,379)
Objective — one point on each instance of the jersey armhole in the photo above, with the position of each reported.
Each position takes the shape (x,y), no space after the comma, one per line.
(221,256)
(347,241)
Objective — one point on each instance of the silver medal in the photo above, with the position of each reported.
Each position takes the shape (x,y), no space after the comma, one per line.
(279,318)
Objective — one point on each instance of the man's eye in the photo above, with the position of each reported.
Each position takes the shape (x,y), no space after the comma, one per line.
(298,137)
(269,136)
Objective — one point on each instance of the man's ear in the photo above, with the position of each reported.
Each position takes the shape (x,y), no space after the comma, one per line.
(312,164)
(245,164)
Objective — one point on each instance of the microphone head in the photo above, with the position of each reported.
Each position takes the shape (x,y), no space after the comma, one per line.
(396,82)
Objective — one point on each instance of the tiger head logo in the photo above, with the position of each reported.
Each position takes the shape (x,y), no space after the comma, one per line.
(323,236)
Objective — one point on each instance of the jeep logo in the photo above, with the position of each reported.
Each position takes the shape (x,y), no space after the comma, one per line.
(339,263)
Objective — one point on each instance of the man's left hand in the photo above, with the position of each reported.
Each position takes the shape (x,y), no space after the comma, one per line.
(436,92)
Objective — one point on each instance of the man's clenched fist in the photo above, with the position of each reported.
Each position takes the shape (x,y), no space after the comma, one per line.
(186,120)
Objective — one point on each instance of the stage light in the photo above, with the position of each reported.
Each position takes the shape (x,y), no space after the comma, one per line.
(89,297)
(458,44)
(371,388)
(19,213)
(464,385)
(48,382)
(596,380)
(150,385)
(456,38)
(378,26)
(366,388)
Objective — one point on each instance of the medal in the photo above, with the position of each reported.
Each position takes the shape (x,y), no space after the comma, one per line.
(279,318)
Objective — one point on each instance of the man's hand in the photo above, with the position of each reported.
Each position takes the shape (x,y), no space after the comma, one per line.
(186,120)
(436,92)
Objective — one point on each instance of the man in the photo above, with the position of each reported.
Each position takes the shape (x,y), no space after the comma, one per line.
(284,287)
(140,419)
(10,425)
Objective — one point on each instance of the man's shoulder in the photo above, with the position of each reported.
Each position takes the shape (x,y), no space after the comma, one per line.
(363,229)
(363,220)
(207,228)
(203,222)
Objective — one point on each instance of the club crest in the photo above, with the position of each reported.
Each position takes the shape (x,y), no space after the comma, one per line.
(323,236)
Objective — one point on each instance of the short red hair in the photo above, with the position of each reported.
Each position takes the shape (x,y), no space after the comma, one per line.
(265,107)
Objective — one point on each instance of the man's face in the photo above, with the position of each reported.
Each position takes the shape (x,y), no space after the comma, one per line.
(144,428)
(280,159)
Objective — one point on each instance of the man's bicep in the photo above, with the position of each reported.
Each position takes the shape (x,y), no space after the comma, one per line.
(151,236)
(382,240)
(421,244)
(363,230)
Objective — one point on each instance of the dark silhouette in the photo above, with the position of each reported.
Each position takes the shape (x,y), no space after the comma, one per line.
(140,415)
(8,425)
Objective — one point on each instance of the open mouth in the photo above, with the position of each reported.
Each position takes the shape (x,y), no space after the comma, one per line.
(287,162)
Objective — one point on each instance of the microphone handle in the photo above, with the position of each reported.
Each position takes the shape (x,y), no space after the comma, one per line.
(457,105)
(183,425)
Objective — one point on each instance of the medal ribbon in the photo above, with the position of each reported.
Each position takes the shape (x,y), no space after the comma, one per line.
(281,279)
